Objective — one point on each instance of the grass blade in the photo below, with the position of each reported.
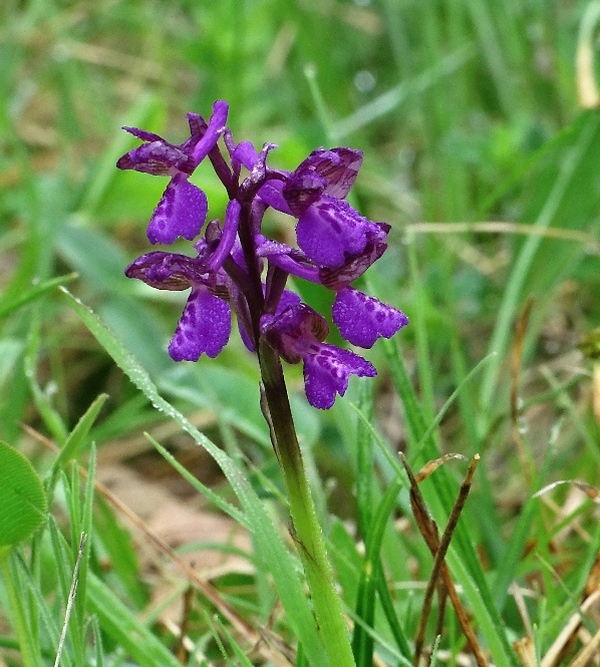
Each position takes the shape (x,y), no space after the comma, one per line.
(267,538)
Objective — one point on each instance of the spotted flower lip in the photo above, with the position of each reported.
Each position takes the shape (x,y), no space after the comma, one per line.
(238,268)
(204,327)
(362,319)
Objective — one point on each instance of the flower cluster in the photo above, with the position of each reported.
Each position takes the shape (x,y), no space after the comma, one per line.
(236,267)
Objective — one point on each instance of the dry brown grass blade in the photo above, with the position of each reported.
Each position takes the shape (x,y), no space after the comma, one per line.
(431,466)
(180,650)
(254,638)
(587,652)
(554,654)
(438,548)
(515,359)
(515,373)
(517,593)
(503,227)
(590,491)
(525,649)
(587,87)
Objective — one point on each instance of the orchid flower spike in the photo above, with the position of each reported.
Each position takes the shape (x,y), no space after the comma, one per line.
(237,269)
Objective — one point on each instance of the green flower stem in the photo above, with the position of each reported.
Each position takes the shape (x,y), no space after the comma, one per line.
(306,529)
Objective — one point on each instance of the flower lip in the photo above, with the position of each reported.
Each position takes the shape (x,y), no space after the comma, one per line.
(362,319)
(327,372)
(330,231)
(181,211)
(204,327)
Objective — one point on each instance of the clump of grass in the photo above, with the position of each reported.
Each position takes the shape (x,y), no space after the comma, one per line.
(479,154)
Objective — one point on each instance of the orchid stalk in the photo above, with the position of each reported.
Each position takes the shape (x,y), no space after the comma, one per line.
(236,268)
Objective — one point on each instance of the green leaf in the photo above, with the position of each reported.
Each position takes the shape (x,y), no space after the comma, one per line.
(362,641)
(22,499)
(558,198)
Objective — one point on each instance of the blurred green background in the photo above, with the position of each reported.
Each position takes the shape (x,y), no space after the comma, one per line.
(470,113)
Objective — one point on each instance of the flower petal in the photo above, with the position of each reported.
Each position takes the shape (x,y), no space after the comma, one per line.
(229,235)
(355,265)
(166,270)
(244,155)
(295,331)
(197,124)
(330,229)
(302,189)
(362,319)
(271,194)
(341,176)
(337,166)
(158,157)
(327,372)
(144,135)
(215,128)
(204,327)
(180,212)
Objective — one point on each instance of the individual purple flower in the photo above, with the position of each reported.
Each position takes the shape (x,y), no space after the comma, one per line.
(182,209)
(297,334)
(330,231)
(361,319)
(205,324)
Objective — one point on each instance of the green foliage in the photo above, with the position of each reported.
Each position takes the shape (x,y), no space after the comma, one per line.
(22,499)
(469,116)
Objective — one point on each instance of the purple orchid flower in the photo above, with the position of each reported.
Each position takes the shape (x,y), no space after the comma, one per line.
(329,230)
(205,325)
(297,335)
(239,269)
(182,209)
